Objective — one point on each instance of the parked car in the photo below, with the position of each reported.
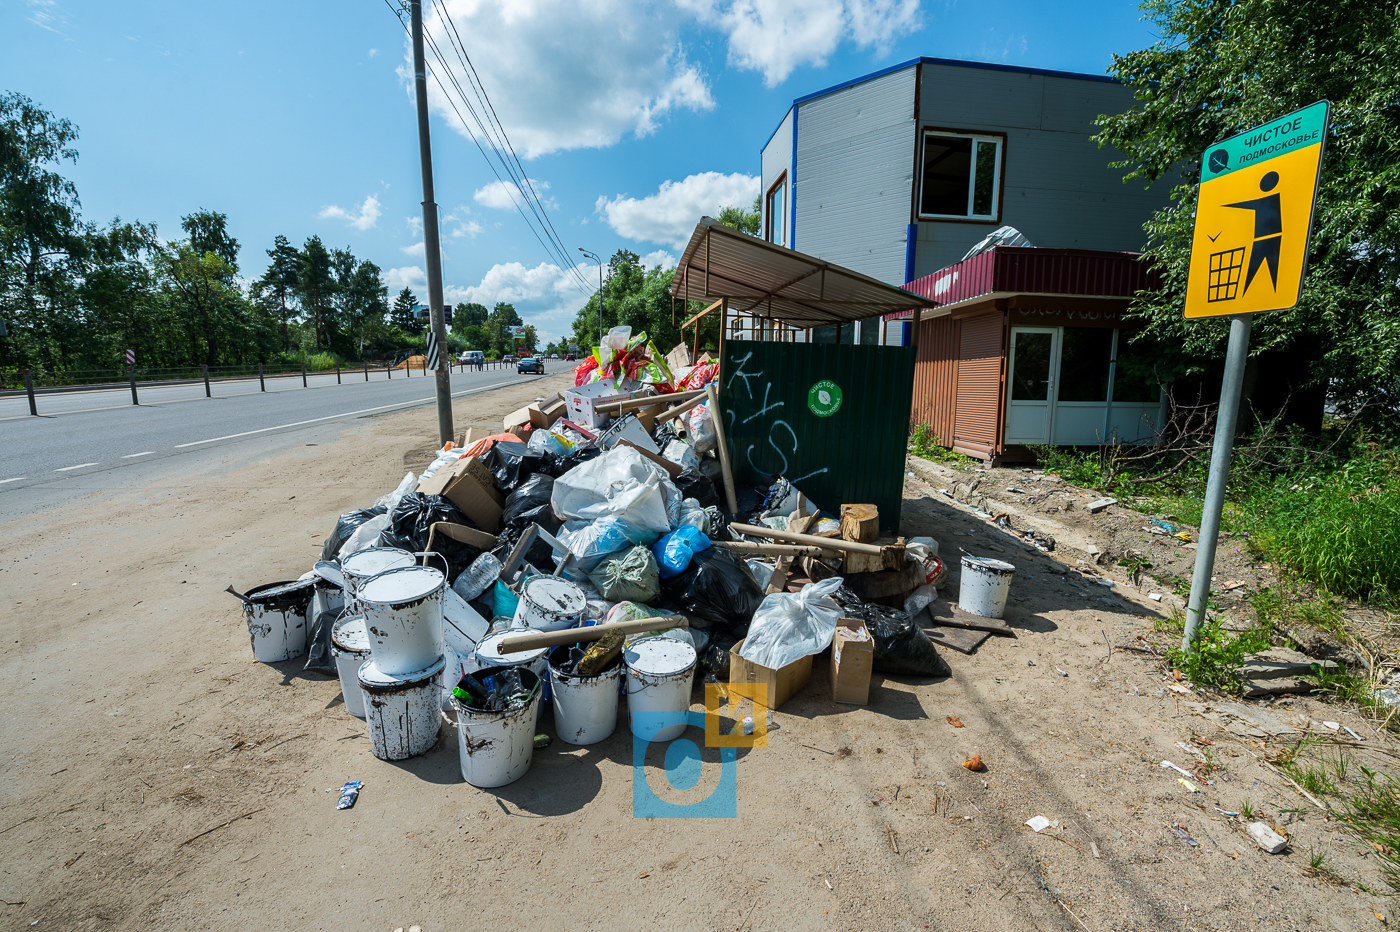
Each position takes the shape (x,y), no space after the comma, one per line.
(570,357)
(531,364)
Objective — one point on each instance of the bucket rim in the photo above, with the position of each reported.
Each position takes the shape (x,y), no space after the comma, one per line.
(390,683)
(418,596)
(989,563)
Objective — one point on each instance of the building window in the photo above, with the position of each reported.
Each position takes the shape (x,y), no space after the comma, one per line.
(776,216)
(962,177)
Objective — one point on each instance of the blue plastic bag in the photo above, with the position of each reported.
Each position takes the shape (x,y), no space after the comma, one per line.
(503,601)
(673,552)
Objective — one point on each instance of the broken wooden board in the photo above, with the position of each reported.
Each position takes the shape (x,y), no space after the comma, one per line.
(947,614)
(959,639)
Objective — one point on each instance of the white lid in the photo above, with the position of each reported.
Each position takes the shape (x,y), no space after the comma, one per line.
(988,563)
(657,656)
(488,653)
(375,560)
(555,595)
(400,586)
(371,677)
(349,635)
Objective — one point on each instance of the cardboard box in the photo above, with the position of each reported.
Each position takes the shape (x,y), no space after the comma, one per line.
(545,413)
(580,402)
(852,662)
(782,684)
(516,418)
(469,485)
(460,533)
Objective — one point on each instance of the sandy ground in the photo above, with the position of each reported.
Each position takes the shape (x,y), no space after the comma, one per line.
(154,777)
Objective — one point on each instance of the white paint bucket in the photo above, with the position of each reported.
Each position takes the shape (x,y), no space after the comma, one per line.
(365,564)
(548,603)
(984,585)
(495,748)
(488,654)
(585,707)
(403,713)
(660,672)
(403,615)
(276,616)
(350,648)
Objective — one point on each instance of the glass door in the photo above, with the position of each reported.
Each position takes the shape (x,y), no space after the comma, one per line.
(1035,353)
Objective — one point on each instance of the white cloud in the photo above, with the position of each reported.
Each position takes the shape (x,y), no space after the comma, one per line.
(415,224)
(470,228)
(661,257)
(669,216)
(776,37)
(367,216)
(503,195)
(417,249)
(566,75)
(410,276)
(47,14)
(546,296)
(373,52)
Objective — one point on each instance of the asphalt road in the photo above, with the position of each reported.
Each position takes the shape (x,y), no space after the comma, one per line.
(90,441)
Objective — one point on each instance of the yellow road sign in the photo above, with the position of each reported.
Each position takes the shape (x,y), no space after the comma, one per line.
(1254,210)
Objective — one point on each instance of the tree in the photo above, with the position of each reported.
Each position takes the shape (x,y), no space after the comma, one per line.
(314,282)
(362,298)
(402,316)
(468,315)
(530,337)
(1221,68)
(745,221)
(217,320)
(639,298)
(281,279)
(208,232)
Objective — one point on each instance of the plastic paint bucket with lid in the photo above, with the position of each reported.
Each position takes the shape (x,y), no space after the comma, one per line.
(403,713)
(548,603)
(660,672)
(984,586)
(403,615)
(585,707)
(350,648)
(495,748)
(364,564)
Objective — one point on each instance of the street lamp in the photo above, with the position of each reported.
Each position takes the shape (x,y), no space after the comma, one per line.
(595,258)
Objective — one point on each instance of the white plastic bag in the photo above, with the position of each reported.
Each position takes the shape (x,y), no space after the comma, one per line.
(701,428)
(444,458)
(790,626)
(919,599)
(680,453)
(590,542)
(620,484)
(391,501)
(694,515)
(365,535)
(762,572)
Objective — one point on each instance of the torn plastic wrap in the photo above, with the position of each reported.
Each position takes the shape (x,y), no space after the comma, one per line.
(789,626)
(345,528)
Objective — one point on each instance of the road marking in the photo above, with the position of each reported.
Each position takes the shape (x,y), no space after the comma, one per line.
(134,455)
(332,417)
(19,479)
(79,466)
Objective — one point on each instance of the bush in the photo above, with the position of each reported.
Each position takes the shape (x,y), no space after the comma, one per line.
(924,443)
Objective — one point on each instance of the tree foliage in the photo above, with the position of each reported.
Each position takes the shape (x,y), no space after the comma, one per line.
(640,298)
(1222,67)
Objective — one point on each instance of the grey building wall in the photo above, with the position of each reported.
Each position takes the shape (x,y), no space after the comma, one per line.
(1057,186)
(777,158)
(854,175)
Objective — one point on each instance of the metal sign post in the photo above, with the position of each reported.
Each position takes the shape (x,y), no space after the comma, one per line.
(1249,253)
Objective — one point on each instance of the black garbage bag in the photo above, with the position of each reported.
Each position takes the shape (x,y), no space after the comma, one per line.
(558,465)
(901,646)
(414,518)
(539,554)
(455,554)
(512,463)
(529,503)
(696,485)
(717,592)
(346,526)
(318,642)
(719,523)
(714,659)
(749,499)
(664,434)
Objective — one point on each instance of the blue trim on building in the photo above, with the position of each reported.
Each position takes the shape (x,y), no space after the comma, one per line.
(955,63)
(911,246)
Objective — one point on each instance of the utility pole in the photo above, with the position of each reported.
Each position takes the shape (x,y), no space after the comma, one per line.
(432,254)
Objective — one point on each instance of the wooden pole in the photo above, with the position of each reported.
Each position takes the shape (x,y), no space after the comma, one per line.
(614,407)
(536,640)
(730,497)
(773,550)
(830,543)
(679,409)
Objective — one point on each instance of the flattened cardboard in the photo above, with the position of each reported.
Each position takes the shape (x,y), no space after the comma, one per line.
(516,418)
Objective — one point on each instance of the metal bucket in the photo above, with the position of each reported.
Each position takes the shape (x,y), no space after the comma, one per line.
(585,707)
(403,615)
(984,586)
(660,672)
(350,648)
(403,713)
(548,603)
(276,616)
(488,654)
(370,562)
(495,748)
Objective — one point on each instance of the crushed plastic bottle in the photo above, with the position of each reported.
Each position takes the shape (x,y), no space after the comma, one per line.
(474,579)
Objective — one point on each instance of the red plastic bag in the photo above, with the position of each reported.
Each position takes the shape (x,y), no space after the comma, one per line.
(584,369)
(699,377)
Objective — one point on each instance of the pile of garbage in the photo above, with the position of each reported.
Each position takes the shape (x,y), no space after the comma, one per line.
(590,541)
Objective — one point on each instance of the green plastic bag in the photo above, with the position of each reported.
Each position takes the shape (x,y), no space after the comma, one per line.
(629,577)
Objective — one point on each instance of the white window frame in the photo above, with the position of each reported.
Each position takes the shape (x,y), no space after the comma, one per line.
(1000,143)
(776,223)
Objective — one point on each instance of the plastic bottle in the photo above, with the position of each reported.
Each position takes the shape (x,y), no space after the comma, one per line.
(474,579)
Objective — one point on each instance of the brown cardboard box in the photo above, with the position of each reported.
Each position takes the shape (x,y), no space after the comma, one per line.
(516,418)
(461,533)
(545,413)
(782,684)
(468,484)
(851,664)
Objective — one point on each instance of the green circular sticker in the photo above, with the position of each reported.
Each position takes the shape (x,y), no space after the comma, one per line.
(824,398)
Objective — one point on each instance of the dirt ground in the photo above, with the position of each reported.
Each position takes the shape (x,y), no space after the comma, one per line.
(154,777)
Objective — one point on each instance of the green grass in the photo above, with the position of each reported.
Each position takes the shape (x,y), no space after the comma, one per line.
(924,443)
(1372,811)
(1083,469)
(1219,655)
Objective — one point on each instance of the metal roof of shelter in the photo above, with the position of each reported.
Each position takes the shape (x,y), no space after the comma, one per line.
(777,283)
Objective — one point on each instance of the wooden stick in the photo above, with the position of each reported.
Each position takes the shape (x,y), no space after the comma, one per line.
(219,826)
(679,409)
(730,497)
(617,406)
(537,639)
(517,556)
(827,543)
(703,313)
(772,550)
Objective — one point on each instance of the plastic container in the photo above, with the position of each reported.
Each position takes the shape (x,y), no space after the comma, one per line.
(472,581)
(660,672)
(277,628)
(585,707)
(548,603)
(403,615)
(403,713)
(984,585)
(368,563)
(495,748)
(350,648)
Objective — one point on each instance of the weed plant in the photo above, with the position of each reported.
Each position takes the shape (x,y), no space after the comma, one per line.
(924,443)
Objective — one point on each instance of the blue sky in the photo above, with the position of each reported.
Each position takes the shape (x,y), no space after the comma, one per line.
(297,118)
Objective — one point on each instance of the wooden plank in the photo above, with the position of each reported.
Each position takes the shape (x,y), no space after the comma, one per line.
(947,614)
(731,498)
(959,639)
(703,313)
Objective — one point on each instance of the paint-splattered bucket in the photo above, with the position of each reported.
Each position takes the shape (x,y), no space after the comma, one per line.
(350,648)
(984,585)
(403,713)
(370,562)
(276,616)
(548,603)
(496,747)
(403,615)
(660,672)
(585,707)
(488,654)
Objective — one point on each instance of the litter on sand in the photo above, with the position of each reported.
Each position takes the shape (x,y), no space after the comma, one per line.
(1038,823)
(348,794)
